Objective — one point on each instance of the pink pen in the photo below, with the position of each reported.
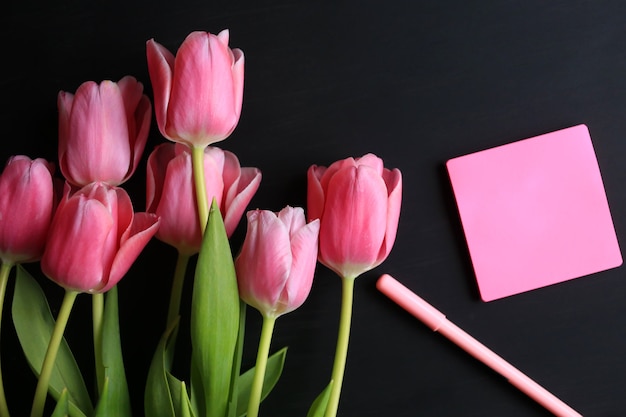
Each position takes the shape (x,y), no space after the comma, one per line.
(437,321)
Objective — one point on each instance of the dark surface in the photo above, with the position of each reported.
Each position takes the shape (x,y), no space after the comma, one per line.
(414,82)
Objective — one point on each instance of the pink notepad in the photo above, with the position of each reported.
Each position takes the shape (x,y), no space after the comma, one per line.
(534,212)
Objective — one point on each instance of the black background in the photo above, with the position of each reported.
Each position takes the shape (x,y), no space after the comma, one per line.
(416,82)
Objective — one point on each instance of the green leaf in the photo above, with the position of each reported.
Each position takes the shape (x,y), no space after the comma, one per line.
(275,364)
(62,407)
(234,377)
(158,400)
(318,408)
(180,397)
(185,406)
(34,323)
(116,400)
(214,320)
(102,406)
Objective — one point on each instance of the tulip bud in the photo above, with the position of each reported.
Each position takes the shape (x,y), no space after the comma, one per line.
(358,203)
(197,94)
(277,261)
(26,208)
(103,130)
(94,238)
(171,193)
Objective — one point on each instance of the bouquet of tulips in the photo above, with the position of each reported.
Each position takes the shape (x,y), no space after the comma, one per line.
(86,235)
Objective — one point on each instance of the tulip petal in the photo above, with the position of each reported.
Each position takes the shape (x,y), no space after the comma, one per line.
(158,160)
(264,268)
(160,67)
(64,104)
(371,161)
(177,206)
(26,208)
(352,233)
(138,111)
(143,229)
(97,149)
(393,181)
(304,243)
(315,192)
(124,214)
(202,107)
(238,197)
(76,254)
(238,77)
(293,219)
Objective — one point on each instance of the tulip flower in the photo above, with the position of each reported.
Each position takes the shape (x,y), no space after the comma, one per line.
(94,238)
(276,264)
(358,203)
(26,209)
(171,195)
(103,130)
(275,273)
(198,93)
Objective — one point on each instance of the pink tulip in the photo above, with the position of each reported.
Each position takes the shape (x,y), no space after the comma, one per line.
(103,130)
(277,261)
(358,203)
(26,208)
(197,94)
(94,238)
(171,193)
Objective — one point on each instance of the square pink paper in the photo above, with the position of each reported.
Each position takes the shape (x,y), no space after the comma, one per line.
(534,212)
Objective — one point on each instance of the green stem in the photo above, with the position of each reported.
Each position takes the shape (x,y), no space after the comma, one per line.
(177,287)
(5,270)
(261,363)
(197,162)
(97,307)
(53,347)
(341,352)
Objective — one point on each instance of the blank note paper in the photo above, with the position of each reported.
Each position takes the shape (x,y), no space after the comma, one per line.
(534,212)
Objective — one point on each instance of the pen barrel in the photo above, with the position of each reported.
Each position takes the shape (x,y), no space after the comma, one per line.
(438,322)
(512,374)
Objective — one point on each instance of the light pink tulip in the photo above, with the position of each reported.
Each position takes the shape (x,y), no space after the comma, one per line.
(27,204)
(171,193)
(103,130)
(94,238)
(277,261)
(358,202)
(197,94)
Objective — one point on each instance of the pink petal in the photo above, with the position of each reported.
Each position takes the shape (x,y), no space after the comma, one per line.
(160,67)
(315,192)
(264,263)
(293,219)
(393,181)
(156,169)
(354,221)
(372,161)
(76,253)
(238,78)
(176,205)
(26,207)
(97,149)
(240,184)
(201,109)
(64,104)
(304,245)
(144,226)
(141,120)
(224,36)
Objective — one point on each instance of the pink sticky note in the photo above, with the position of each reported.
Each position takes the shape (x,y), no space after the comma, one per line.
(534,212)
